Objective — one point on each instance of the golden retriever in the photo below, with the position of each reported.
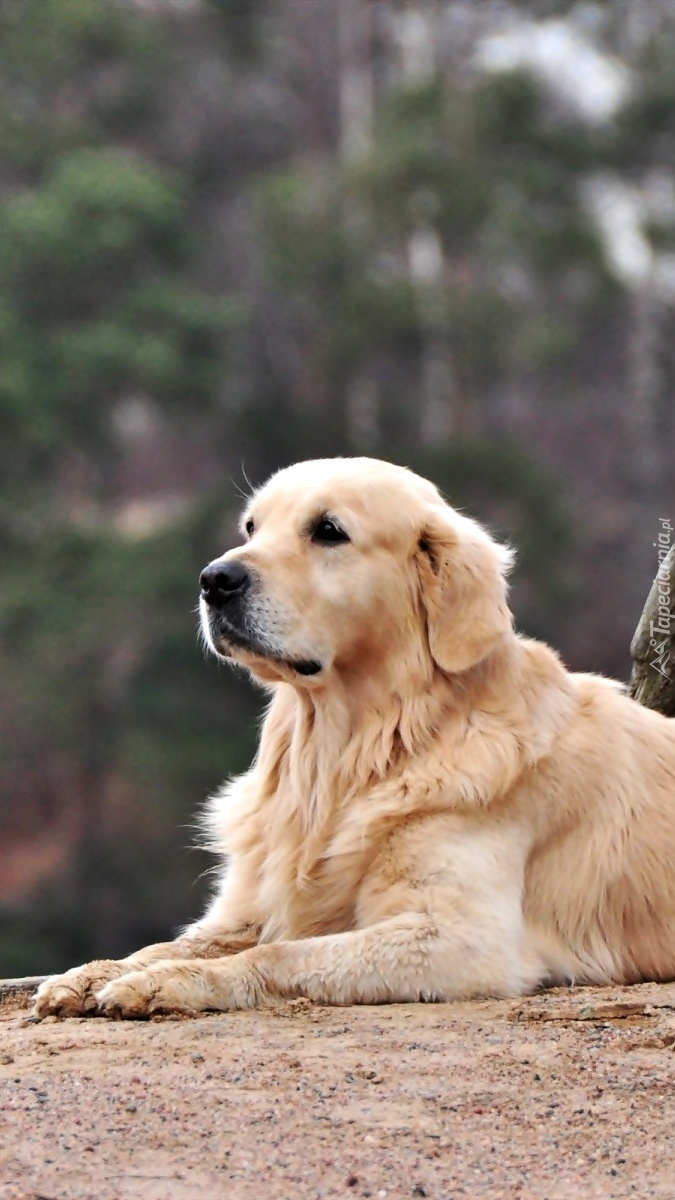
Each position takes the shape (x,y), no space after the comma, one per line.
(437,809)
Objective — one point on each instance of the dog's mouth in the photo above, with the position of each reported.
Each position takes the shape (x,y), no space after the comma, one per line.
(227,639)
(306,667)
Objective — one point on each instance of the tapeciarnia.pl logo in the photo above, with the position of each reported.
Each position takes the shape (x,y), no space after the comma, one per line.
(659,629)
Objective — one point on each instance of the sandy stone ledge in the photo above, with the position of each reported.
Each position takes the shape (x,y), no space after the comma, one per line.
(569,1094)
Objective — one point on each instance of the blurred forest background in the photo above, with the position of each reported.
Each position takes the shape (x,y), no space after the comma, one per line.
(238,233)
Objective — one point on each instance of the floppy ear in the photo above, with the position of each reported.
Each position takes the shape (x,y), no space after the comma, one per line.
(463,587)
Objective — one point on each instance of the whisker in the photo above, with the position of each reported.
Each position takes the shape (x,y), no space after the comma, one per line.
(247,480)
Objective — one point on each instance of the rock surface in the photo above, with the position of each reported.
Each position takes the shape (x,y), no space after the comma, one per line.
(568,1094)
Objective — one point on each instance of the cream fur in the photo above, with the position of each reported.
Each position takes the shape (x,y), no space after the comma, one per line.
(443,811)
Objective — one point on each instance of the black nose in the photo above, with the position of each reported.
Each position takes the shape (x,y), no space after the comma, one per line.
(223,581)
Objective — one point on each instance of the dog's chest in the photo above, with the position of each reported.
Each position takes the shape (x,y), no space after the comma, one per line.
(306,890)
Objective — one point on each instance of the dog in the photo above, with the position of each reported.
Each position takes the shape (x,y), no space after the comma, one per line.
(438,809)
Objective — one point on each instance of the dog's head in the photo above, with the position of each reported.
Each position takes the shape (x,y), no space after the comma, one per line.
(350,565)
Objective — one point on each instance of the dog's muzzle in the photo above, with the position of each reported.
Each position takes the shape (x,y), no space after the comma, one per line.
(223,586)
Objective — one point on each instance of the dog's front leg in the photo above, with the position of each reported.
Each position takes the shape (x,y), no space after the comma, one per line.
(408,957)
(389,961)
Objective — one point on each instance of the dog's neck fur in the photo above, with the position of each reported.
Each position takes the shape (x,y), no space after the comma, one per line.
(343,741)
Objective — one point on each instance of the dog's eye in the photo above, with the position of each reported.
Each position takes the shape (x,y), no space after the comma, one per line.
(327,532)
(249,527)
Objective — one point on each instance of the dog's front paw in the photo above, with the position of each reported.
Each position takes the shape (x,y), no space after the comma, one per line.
(164,987)
(73,994)
(174,985)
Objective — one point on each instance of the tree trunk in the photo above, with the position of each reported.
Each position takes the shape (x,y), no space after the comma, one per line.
(653,647)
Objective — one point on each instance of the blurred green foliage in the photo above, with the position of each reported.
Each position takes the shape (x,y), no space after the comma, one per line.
(94,305)
(112,726)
